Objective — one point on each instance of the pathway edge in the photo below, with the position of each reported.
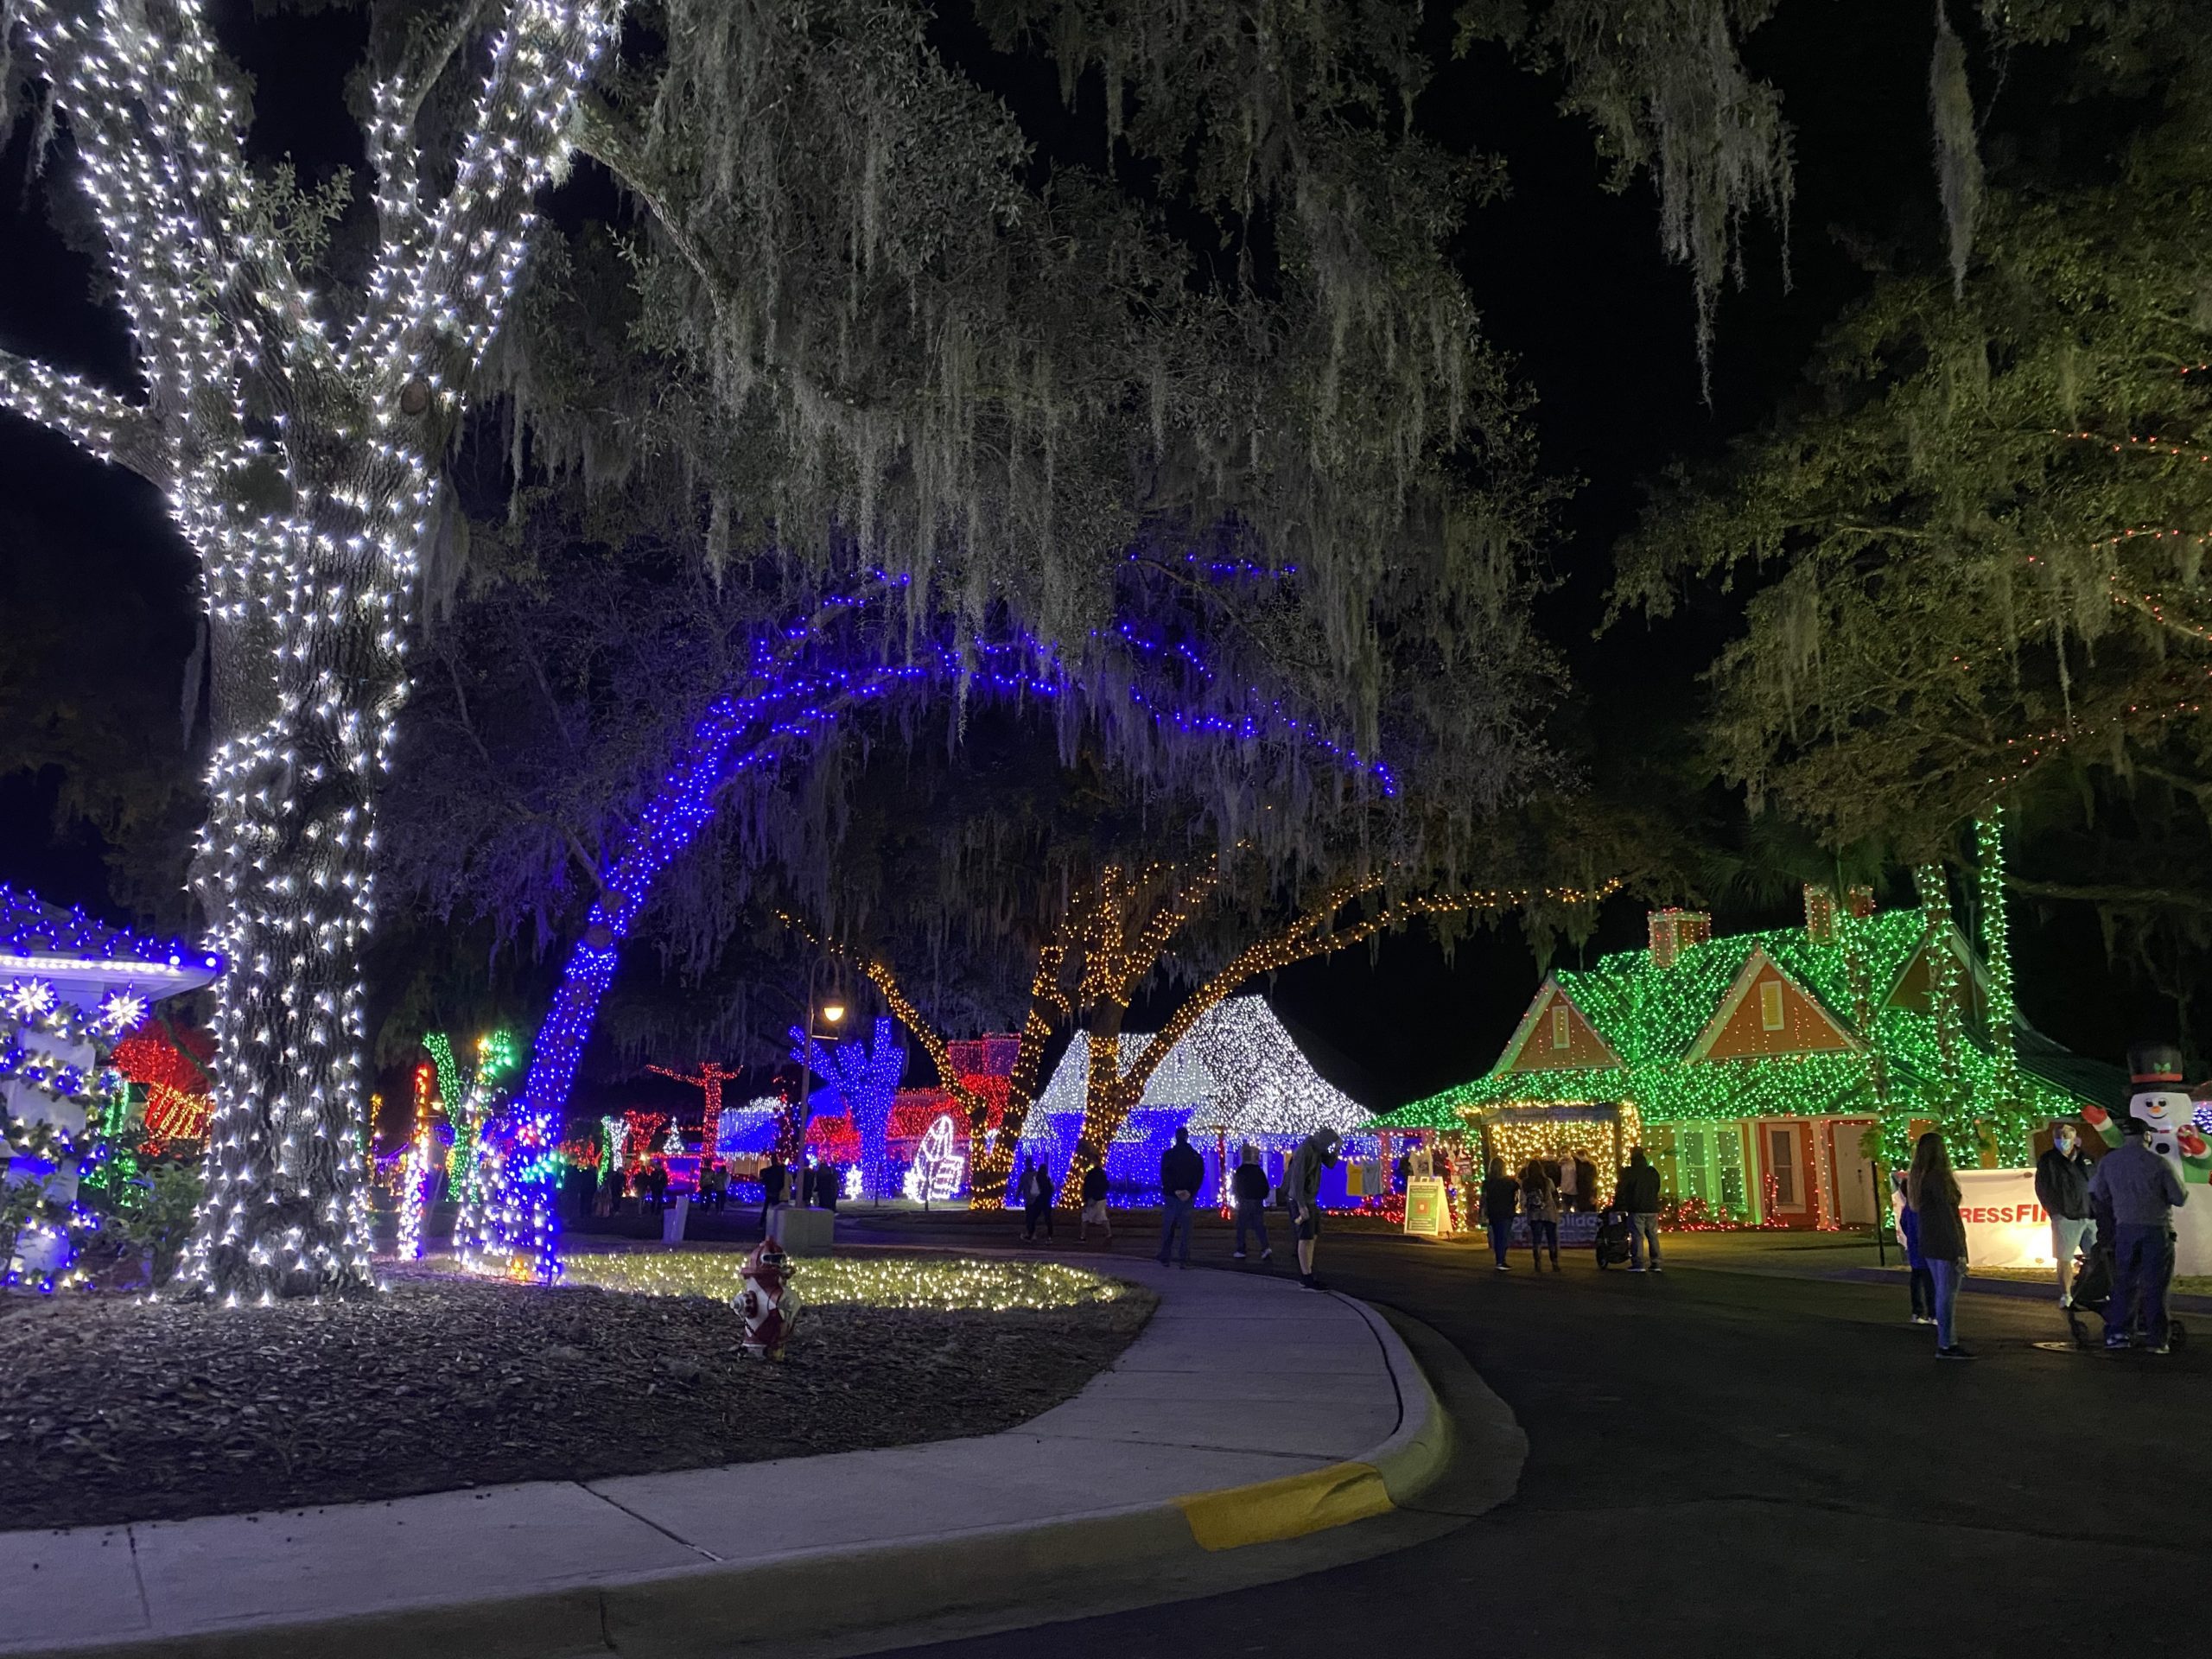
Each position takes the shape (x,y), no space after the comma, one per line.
(858,1598)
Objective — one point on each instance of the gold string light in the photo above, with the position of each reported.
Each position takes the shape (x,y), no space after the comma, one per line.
(930,1283)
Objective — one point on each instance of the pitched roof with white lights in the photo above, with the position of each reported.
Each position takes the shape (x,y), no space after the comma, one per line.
(1236,1069)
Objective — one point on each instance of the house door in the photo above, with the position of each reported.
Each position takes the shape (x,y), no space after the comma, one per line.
(1854,1178)
(1785,1167)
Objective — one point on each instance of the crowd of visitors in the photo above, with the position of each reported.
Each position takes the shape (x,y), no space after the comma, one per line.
(1183,1187)
(2111,1217)
(2110,1233)
(1538,1195)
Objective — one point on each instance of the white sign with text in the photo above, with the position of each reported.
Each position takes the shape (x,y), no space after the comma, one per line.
(2006,1228)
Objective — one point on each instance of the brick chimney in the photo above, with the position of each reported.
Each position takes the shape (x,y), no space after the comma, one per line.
(1819,914)
(1674,931)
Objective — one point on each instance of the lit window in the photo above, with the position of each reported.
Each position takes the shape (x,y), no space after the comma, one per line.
(1558,1024)
(1770,1005)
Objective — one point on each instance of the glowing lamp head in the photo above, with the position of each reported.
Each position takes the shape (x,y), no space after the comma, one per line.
(834,1012)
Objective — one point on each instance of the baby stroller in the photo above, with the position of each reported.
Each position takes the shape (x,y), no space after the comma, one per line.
(1612,1238)
(2093,1294)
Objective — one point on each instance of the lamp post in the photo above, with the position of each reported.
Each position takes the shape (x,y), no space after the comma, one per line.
(833,1015)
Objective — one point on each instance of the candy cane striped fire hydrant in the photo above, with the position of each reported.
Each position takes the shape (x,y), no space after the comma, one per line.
(766,1302)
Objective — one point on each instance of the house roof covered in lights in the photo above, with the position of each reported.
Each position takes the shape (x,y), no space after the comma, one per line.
(88,962)
(1760,1024)
(1236,1069)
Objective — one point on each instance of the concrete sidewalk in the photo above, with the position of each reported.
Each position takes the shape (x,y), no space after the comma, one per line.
(1248,1411)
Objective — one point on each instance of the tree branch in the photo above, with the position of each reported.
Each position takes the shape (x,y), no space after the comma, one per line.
(396,103)
(103,425)
(616,146)
(905,1012)
(2107,893)
(441,280)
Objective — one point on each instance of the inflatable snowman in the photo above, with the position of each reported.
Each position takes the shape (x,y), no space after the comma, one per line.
(2159,1101)
(766,1302)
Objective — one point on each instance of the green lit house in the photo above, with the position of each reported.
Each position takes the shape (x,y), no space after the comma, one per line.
(1750,1067)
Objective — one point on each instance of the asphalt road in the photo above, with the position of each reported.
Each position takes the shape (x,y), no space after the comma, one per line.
(1731,1463)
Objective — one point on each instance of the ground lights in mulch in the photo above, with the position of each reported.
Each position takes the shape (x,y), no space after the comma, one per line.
(956,1285)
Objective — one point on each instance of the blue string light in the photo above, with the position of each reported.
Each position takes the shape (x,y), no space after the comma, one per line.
(802,692)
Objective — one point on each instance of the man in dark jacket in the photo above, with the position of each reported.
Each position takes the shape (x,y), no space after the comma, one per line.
(1637,1194)
(1248,1187)
(2063,1190)
(771,1190)
(2142,1191)
(1094,1192)
(1182,1175)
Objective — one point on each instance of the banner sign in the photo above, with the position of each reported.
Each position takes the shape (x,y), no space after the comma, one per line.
(2006,1228)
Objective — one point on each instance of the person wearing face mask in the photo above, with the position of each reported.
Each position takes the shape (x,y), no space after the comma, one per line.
(2063,1190)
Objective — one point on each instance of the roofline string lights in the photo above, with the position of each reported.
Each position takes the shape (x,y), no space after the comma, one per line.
(70,989)
(1894,1079)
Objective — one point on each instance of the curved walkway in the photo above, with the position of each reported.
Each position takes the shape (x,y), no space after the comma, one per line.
(1248,1411)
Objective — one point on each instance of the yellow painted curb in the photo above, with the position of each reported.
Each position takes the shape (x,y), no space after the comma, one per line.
(1289,1507)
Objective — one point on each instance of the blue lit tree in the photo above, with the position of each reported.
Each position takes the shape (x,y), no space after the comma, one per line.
(866,1076)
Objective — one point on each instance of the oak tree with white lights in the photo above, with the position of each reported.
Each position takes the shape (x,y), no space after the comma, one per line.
(294,434)
(863,330)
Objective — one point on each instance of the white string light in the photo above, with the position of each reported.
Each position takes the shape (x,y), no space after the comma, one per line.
(1236,1070)
(295,448)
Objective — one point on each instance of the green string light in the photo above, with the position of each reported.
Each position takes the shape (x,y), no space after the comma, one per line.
(1919,1066)
(1997,962)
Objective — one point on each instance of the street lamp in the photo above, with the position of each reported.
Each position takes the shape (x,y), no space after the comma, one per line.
(833,1015)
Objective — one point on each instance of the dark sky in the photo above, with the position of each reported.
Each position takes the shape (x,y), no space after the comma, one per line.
(1568,277)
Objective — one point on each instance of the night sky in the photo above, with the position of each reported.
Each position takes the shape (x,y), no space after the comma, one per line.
(1569,278)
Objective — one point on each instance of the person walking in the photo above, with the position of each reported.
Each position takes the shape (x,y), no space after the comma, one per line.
(1932,1191)
(1036,1199)
(1301,1187)
(1539,1204)
(1570,1191)
(772,1189)
(1182,1177)
(1248,1189)
(2142,1190)
(2062,1189)
(1093,1191)
(657,1181)
(1635,1194)
(1501,1198)
(1908,1232)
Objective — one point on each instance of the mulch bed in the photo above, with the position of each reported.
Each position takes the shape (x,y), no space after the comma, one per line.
(114,1409)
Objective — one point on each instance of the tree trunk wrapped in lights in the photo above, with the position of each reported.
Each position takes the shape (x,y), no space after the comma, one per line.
(294,442)
(1111,1093)
(2009,1110)
(1946,980)
(1048,1004)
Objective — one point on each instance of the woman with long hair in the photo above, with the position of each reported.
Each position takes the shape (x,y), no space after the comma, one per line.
(1932,1191)
(1539,1204)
